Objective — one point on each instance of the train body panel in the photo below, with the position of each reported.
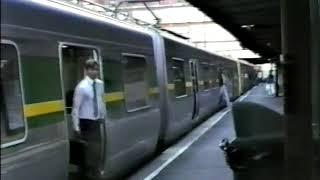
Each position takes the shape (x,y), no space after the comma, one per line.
(45,132)
(247,76)
(180,98)
(156,87)
(210,95)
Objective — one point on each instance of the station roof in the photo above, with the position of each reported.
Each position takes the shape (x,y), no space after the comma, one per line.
(256,24)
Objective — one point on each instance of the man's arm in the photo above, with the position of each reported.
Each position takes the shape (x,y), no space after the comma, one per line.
(77,100)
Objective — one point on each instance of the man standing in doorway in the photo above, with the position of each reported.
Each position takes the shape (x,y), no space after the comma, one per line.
(88,114)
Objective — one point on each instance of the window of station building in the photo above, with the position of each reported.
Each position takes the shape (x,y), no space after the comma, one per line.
(205,75)
(179,77)
(12,116)
(135,82)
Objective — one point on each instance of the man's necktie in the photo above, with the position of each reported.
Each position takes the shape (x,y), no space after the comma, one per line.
(95,102)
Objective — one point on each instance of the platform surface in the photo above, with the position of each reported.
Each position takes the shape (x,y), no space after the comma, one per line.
(198,157)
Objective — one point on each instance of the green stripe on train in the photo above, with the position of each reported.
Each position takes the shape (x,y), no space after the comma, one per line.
(46,119)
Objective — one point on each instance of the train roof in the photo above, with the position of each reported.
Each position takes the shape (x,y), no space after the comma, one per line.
(184,42)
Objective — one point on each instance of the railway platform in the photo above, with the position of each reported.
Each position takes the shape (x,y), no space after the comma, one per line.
(198,156)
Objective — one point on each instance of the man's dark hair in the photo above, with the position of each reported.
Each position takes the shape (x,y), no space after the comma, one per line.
(91,64)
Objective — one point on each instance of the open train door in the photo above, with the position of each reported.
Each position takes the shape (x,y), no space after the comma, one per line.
(195,87)
(72,59)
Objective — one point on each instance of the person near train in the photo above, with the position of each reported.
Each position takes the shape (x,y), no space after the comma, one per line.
(88,114)
(270,86)
(224,95)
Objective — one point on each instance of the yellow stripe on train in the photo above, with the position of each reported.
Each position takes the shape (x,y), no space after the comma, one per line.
(153,90)
(41,108)
(115,96)
(188,84)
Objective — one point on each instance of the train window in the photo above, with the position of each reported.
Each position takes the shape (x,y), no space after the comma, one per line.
(205,75)
(135,82)
(246,75)
(179,78)
(214,76)
(12,117)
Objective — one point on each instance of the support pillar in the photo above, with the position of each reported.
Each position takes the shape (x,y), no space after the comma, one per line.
(315,54)
(296,36)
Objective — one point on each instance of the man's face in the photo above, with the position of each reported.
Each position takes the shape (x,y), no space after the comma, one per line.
(93,73)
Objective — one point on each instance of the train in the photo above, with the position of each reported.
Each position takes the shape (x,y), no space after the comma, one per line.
(157,87)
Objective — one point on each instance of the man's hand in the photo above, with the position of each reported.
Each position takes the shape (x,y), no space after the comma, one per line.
(77,130)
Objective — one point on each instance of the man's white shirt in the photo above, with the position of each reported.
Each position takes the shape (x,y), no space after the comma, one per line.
(83,101)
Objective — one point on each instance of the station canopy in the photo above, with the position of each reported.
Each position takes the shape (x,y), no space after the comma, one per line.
(256,24)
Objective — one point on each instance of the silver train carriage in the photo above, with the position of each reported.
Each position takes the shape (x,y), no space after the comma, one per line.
(157,87)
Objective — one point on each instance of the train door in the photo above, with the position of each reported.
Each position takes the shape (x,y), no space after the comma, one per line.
(72,59)
(228,80)
(195,87)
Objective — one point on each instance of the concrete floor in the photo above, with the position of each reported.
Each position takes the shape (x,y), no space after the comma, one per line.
(204,159)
